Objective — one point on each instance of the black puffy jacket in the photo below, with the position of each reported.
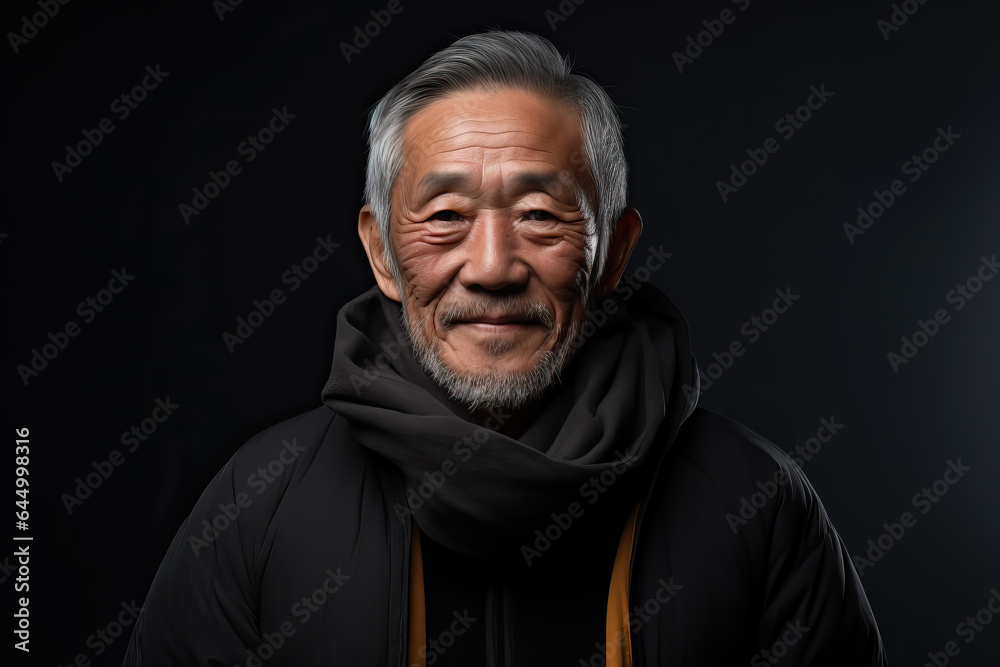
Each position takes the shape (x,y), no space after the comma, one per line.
(297,553)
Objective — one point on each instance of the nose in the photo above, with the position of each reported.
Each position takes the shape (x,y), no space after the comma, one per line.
(494,255)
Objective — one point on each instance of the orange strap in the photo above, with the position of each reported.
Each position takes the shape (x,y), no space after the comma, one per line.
(617,634)
(418,624)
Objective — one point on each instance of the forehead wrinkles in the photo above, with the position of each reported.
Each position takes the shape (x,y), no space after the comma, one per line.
(488,117)
(485,131)
(461,137)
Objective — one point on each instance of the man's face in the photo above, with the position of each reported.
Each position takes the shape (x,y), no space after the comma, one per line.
(491,242)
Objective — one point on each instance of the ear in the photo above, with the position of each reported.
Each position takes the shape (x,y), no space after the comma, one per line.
(620,246)
(371,239)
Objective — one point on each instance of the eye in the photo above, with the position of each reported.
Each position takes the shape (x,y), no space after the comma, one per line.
(446,216)
(540,215)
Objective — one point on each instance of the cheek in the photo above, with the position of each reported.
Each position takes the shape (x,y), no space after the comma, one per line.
(414,253)
(561,271)
(558,267)
(564,245)
(425,268)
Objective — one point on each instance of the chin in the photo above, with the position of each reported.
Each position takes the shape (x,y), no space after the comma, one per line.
(501,373)
(476,361)
(509,385)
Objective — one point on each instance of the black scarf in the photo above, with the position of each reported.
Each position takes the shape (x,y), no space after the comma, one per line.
(482,493)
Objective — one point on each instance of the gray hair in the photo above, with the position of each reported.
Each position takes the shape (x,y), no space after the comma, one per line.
(499,60)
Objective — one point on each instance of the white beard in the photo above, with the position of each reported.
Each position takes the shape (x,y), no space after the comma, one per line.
(491,389)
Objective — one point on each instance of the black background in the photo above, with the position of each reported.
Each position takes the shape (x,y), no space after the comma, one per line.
(826,357)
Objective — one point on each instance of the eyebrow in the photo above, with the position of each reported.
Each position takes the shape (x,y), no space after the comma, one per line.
(537,181)
(436,181)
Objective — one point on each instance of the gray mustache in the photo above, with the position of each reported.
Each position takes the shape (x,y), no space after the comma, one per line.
(500,307)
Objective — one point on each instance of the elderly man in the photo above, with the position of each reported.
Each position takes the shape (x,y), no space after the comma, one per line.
(509,468)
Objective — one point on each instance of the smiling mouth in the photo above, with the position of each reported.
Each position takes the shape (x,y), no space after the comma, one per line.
(505,326)
(498,321)
(497,326)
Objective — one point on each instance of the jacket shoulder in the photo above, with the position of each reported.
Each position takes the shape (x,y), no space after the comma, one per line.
(733,514)
(304,434)
(206,597)
(730,454)
(310,456)
(741,477)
